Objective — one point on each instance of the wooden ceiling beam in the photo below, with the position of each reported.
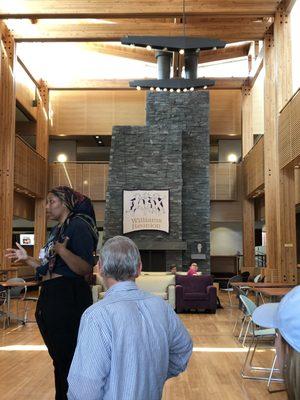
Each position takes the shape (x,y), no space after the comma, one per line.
(229,52)
(140,54)
(123,84)
(131,8)
(234,29)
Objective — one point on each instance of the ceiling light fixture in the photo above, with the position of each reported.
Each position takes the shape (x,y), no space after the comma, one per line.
(168,48)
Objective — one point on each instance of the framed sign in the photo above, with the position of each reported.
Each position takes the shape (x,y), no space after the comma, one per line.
(145,210)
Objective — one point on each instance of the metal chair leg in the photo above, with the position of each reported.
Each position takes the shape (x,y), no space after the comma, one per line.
(246,333)
(242,328)
(229,295)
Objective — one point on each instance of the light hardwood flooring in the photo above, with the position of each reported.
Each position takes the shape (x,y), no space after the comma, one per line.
(213,372)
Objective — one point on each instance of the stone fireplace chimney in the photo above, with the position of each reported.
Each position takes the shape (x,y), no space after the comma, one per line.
(170,153)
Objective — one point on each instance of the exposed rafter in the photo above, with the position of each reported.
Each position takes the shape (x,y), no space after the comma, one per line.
(135,53)
(228,29)
(132,8)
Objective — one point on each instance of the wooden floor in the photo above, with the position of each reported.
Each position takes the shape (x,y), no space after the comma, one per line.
(213,372)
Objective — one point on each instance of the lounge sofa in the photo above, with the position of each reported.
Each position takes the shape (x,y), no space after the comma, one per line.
(158,283)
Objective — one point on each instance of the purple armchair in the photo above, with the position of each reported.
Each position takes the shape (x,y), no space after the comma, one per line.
(195,292)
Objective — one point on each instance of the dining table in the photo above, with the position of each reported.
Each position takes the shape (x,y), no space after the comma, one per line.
(274,293)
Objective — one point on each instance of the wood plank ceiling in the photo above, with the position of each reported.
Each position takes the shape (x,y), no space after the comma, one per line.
(94,22)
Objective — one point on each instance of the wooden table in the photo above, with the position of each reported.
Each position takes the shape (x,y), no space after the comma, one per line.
(251,285)
(8,273)
(260,289)
(8,286)
(273,292)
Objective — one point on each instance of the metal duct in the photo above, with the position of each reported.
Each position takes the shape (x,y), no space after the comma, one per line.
(164,59)
(191,64)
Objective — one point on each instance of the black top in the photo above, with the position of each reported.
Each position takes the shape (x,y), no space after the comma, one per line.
(81,243)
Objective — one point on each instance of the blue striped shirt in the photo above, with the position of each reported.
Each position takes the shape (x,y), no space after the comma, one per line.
(129,344)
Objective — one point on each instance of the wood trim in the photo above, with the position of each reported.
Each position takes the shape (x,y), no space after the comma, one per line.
(136,8)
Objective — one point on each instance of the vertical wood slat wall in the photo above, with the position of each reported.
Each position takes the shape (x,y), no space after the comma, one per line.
(253,169)
(223,181)
(29,174)
(90,179)
(7,139)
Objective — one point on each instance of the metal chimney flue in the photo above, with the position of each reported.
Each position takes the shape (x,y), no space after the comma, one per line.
(191,64)
(164,59)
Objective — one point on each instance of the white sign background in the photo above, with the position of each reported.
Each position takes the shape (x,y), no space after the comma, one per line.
(145,210)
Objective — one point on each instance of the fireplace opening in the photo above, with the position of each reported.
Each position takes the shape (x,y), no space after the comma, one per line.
(153,260)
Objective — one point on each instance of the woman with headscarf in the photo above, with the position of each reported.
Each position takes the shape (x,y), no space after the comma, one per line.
(64,261)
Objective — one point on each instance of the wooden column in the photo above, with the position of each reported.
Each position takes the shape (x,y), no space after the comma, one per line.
(247,204)
(272,208)
(7,139)
(286,187)
(247,131)
(42,144)
(279,185)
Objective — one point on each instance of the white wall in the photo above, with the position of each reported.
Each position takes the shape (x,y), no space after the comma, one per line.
(226,238)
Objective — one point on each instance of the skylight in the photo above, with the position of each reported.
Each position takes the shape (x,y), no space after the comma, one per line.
(237,67)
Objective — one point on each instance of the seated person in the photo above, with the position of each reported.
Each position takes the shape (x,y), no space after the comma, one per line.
(193,269)
(172,270)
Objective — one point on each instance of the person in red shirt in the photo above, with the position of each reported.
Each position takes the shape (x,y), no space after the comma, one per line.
(193,270)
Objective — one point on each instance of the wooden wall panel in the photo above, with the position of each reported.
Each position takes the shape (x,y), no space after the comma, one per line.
(95,112)
(223,181)
(7,139)
(297,186)
(253,170)
(225,112)
(229,211)
(25,90)
(23,206)
(99,207)
(83,112)
(29,174)
(257,96)
(88,178)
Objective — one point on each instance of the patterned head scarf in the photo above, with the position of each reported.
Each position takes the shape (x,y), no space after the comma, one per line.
(80,206)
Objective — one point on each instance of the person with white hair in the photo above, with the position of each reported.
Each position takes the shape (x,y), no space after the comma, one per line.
(130,342)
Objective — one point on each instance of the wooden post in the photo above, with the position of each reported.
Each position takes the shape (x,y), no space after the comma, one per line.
(7,139)
(42,144)
(279,185)
(286,187)
(247,204)
(271,162)
(288,225)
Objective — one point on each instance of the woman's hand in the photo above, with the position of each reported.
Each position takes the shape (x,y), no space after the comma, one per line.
(60,247)
(19,254)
